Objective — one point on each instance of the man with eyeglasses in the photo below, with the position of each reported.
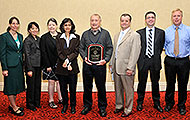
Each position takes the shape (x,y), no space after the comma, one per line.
(152,43)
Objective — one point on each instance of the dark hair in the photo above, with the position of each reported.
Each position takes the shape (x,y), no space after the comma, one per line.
(150,12)
(125,14)
(33,23)
(10,22)
(53,20)
(65,21)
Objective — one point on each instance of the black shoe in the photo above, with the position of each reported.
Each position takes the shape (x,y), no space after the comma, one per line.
(38,106)
(168,108)
(33,108)
(20,108)
(103,112)
(73,110)
(60,101)
(158,107)
(64,109)
(17,112)
(118,110)
(52,105)
(86,110)
(125,115)
(139,107)
(182,111)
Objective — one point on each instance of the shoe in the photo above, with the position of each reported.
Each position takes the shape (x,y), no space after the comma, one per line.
(64,109)
(103,112)
(118,110)
(73,110)
(139,107)
(38,106)
(158,107)
(20,108)
(168,108)
(125,115)
(52,105)
(86,110)
(60,101)
(182,111)
(33,108)
(17,112)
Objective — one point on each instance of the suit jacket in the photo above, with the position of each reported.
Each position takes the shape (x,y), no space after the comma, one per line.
(48,50)
(127,54)
(10,54)
(32,52)
(159,39)
(71,53)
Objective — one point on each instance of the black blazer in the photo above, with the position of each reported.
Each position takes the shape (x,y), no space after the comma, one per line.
(71,53)
(159,40)
(32,52)
(48,50)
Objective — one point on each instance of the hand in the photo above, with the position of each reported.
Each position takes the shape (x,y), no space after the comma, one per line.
(29,73)
(49,69)
(64,64)
(86,60)
(129,72)
(69,67)
(101,62)
(110,67)
(5,73)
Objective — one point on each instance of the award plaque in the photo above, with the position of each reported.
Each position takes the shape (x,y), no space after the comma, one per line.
(95,53)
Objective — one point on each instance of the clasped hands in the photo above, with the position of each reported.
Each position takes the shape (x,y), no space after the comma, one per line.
(67,64)
(101,62)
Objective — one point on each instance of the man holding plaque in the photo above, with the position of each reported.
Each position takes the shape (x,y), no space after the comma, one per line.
(96,50)
(127,46)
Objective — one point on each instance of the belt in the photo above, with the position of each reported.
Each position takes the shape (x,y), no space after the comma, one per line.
(177,58)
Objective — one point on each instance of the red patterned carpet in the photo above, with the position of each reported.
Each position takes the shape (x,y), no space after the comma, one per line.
(46,113)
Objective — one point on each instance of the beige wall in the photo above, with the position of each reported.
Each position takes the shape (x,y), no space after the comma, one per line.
(80,11)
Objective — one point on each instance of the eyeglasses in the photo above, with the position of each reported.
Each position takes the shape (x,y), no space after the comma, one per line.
(150,17)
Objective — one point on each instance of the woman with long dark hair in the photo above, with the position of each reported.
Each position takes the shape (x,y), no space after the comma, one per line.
(67,66)
(11,50)
(49,60)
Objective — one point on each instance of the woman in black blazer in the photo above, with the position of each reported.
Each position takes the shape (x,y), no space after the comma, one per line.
(11,50)
(67,66)
(32,67)
(49,60)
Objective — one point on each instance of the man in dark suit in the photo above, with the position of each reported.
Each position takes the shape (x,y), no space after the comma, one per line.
(152,42)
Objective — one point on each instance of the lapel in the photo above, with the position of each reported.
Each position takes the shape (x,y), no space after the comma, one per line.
(116,39)
(36,42)
(51,39)
(21,42)
(156,35)
(11,39)
(126,36)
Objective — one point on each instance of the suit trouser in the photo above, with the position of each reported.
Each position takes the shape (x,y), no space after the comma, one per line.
(72,81)
(181,68)
(142,77)
(124,83)
(99,72)
(33,92)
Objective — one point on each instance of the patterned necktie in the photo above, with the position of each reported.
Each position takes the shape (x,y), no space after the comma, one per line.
(176,44)
(150,46)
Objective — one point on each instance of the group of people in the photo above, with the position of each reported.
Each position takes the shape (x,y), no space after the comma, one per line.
(55,54)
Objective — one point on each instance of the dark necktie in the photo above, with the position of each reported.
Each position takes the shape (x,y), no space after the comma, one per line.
(150,46)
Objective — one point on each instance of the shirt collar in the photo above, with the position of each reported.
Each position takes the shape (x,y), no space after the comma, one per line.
(153,28)
(179,27)
(71,36)
(126,30)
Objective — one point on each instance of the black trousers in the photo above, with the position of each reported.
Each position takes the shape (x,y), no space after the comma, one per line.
(142,77)
(179,67)
(99,72)
(33,92)
(64,80)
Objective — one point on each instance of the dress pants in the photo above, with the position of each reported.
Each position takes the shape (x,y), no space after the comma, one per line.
(142,77)
(33,92)
(179,66)
(64,80)
(99,72)
(124,83)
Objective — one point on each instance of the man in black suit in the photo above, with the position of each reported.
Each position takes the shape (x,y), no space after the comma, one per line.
(152,42)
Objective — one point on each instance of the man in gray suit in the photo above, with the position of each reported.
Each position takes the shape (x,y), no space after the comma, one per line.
(127,46)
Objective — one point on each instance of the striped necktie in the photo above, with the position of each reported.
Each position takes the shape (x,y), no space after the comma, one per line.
(150,46)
